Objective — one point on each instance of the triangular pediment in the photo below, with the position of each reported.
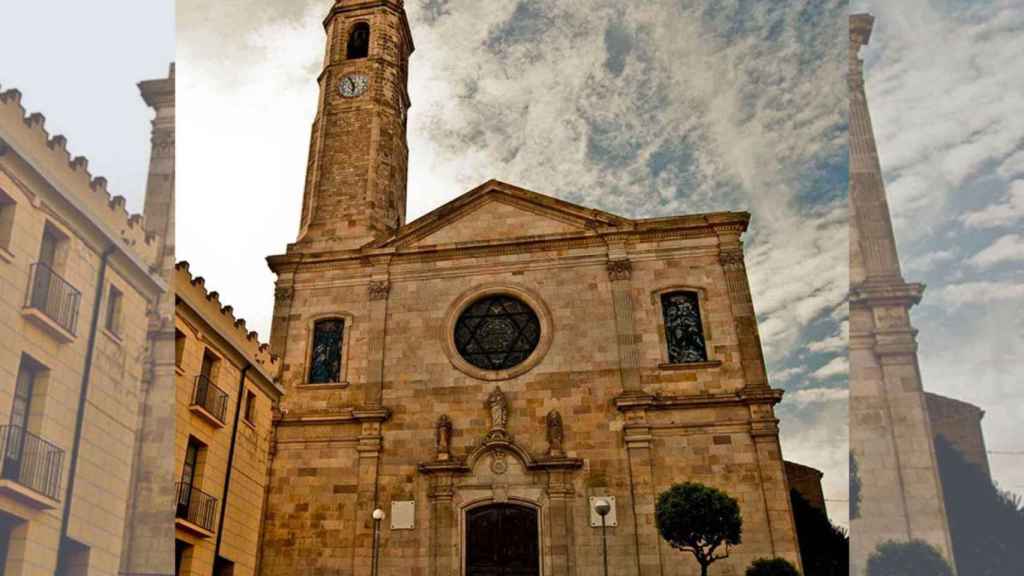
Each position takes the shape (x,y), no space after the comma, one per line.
(497,212)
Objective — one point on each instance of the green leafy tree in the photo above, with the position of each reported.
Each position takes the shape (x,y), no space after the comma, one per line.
(914,558)
(772,567)
(824,547)
(700,520)
(986,525)
(854,487)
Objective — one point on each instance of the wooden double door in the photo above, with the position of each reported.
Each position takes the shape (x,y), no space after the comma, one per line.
(502,540)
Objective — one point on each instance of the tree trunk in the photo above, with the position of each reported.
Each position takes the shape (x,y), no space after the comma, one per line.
(703,569)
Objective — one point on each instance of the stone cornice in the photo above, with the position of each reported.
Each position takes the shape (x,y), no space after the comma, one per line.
(893,292)
(293,261)
(669,402)
(349,415)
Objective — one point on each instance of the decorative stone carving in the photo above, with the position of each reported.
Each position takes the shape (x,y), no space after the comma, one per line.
(163,143)
(283,294)
(620,270)
(555,434)
(378,290)
(499,464)
(498,405)
(444,438)
(731,260)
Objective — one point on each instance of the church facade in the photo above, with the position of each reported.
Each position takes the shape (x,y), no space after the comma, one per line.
(482,374)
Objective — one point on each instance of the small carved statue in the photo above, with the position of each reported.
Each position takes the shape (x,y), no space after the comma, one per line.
(444,437)
(555,434)
(499,409)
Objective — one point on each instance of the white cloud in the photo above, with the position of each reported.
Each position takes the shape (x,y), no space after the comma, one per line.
(1004,213)
(1007,248)
(835,343)
(981,292)
(928,261)
(812,395)
(836,367)
(1013,166)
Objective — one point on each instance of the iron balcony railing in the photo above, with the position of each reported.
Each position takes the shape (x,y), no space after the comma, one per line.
(196,506)
(31,461)
(209,397)
(53,296)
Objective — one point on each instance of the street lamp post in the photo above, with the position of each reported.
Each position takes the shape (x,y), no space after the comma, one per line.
(378,515)
(603,507)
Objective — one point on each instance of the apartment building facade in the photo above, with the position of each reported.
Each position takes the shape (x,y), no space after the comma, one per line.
(226,397)
(79,284)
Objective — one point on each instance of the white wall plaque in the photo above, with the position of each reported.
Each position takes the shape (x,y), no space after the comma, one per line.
(403,515)
(610,520)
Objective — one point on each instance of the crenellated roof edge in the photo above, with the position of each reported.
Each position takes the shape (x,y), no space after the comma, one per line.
(25,133)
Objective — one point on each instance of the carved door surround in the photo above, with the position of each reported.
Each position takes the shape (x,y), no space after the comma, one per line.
(498,470)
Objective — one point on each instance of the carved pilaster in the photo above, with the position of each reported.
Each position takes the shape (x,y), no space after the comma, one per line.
(745,321)
(620,271)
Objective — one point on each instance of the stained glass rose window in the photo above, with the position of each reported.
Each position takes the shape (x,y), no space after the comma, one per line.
(497,332)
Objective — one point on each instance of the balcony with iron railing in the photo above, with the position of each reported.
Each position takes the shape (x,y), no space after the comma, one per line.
(196,509)
(52,302)
(31,468)
(209,401)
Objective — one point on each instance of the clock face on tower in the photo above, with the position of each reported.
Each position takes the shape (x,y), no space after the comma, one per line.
(353,85)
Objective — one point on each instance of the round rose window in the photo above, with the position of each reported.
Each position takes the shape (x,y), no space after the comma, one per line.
(497,332)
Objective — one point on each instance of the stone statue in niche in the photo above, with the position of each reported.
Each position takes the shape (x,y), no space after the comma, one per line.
(444,438)
(556,434)
(499,409)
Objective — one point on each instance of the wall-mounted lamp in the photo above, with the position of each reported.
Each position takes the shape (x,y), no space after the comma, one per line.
(603,507)
(378,515)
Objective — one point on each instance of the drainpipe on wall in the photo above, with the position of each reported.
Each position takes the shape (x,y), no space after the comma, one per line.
(231,460)
(82,397)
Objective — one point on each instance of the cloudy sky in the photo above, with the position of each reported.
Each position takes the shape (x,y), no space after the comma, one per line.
(946,89)
(78,63)
(642,108)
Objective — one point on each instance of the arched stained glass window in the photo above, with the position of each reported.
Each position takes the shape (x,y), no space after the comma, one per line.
(684,332)
(497,332)
(325,360)
(358,42)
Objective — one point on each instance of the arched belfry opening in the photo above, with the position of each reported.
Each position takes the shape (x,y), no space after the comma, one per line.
(358,42)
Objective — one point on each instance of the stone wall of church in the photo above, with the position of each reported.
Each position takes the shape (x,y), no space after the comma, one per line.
(369,440)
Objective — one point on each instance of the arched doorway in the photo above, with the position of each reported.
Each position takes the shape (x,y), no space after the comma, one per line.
(502,540)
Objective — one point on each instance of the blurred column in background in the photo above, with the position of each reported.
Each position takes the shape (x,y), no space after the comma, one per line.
(149,528)
(891,436)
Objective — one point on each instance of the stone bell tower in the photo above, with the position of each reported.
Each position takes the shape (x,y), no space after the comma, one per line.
(358,157)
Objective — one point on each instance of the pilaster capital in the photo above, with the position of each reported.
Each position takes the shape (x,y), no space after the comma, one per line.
(379,290)
(620,269)
(732,259)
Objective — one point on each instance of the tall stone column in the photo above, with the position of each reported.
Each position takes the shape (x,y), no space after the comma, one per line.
(890,432)
(149,524)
